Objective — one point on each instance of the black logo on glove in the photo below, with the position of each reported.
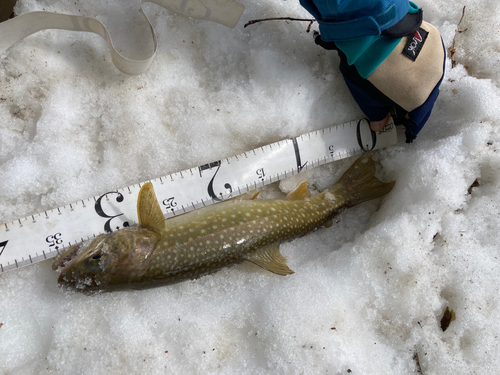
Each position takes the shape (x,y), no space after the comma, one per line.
(415,43)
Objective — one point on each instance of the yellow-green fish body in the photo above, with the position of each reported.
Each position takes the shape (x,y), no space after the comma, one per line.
(205,240)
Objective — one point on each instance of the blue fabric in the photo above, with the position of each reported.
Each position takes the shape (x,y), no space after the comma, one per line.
(367,53)
(355,27)
(371,107)
(420,115)
(376,111)
(350,19)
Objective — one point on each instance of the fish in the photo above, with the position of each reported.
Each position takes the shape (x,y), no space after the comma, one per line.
(162,252)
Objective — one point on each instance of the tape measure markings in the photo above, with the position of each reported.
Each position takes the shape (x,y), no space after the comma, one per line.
(38,237)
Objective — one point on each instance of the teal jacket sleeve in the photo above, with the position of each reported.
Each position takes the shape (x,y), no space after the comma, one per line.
(350,19)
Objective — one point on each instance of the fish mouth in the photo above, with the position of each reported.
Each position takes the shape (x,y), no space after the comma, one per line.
(66,257)
(66,262)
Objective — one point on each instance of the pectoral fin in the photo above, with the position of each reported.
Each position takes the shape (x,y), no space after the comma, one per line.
(270,258)
(300,192)
(148,209)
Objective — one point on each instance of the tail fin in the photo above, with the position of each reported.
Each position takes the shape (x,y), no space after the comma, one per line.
(360,183)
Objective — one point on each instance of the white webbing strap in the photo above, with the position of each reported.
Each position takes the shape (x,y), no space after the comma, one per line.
(225,12)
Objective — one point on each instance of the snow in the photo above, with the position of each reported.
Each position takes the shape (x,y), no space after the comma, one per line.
(368,293)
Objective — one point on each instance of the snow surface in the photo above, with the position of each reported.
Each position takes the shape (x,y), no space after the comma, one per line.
(368,293)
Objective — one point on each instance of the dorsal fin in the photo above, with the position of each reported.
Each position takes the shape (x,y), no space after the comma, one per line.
(270,258)
(148,209)
(249,195)
(254,194)
(300,192)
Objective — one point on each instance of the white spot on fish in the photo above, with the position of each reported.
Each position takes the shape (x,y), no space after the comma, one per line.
(330,196)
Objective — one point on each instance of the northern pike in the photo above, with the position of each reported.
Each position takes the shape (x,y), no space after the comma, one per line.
(160,252)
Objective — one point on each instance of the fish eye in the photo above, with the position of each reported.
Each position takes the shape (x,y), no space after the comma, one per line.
(97,256)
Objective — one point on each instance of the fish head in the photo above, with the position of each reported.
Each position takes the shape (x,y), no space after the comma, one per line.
(112,259)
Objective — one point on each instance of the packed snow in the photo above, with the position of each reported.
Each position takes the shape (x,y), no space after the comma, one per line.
(368,293)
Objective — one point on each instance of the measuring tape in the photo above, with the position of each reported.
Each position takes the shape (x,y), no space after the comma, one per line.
(42,236)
